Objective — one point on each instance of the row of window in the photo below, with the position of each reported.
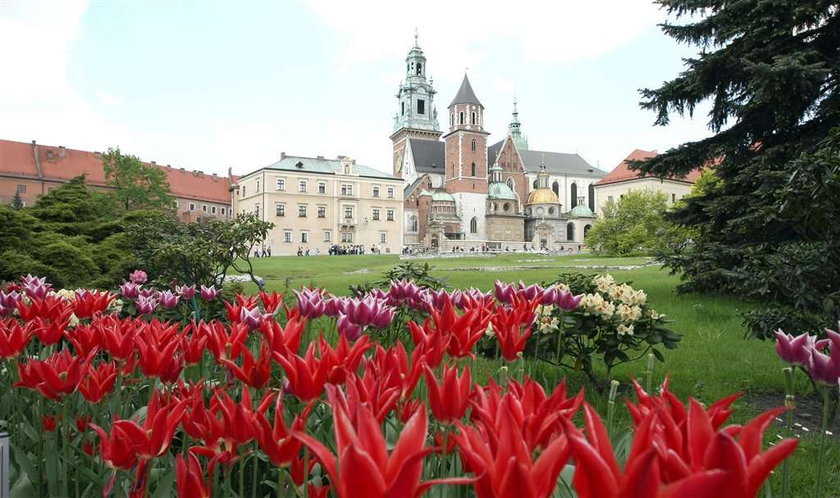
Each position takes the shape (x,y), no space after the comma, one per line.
(461,120)
(204,208)
(280,210)
(346,237)
(303,187)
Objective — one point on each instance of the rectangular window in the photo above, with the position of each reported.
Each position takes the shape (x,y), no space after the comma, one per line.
(375,215)
(348,212)
(322,188)
(21,189)
(258,186)
(257,210)
(213,210)
(421,106)
(390,192)
(304,237)
(376,190)
(223,210)
(347,189)
(204,207)
(287,236)
(243,191)
(279,209)
(302,210)
(322,211)
(346,237)
(302,186)
(610,198)
(390,214)
(382,237)
(673,198)
(281,184)
(327,236)
(192,206)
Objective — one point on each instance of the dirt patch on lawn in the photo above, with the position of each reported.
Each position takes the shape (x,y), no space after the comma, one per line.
(807,418)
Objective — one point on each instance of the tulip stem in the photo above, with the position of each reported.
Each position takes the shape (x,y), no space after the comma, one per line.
(790,404)
(823,437)
(242,475)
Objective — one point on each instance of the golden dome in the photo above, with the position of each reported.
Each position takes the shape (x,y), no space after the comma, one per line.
(542,196)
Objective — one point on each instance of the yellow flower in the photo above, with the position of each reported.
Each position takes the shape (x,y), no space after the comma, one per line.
(603,282)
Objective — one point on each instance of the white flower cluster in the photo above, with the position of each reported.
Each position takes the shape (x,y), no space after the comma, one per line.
(596,303)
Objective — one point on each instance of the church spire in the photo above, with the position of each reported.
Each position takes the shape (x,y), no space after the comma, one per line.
(515,128)
(416,94)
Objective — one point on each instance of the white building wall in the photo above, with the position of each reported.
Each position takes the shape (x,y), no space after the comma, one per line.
(673,190)
(473,205)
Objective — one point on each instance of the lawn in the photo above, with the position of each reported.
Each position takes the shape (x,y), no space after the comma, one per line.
(713,359)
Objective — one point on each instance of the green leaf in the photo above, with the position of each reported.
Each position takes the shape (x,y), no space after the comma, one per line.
(658,355)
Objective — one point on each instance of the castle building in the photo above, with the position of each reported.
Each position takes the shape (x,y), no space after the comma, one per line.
(318,203)
(462,192)
(622,180)
(33,169)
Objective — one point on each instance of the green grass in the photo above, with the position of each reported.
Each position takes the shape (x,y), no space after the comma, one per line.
(713,359)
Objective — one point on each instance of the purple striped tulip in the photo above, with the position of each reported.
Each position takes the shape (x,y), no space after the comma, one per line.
(311,302)
(35,287)
(209,293)
(186,292)
(130,290)
(168,299)
(146,305)
(795,350)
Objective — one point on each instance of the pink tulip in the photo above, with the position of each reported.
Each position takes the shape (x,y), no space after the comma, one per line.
(146,305)
(794,350)
(138,277)
(8,302)
(35,287)
(130,290)
(169,300)
(825,368)
(209,293)
(311,303)
(186,292)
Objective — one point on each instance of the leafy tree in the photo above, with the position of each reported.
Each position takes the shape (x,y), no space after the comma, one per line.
(136,185)
(17,202)
(771,71)
(636,225)
(197,253)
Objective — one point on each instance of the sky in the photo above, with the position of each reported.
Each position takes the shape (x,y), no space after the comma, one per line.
(210,85)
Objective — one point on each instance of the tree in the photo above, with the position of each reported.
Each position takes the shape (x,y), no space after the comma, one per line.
(771,71)
(136,185)
(197,253)
(17,202)
(635,225)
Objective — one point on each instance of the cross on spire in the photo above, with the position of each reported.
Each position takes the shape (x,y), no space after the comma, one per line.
(416,36)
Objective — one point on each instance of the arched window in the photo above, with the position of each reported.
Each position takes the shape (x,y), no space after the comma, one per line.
(535,184)
(591,197)
(474,225)
(573,200)
(472,118)
(473,145)
(452,119)
(402,108)
(586,231)
(472,169)
(412,224)
(556,188)
(419,68)
(461,117)
(570,232)
(510,183)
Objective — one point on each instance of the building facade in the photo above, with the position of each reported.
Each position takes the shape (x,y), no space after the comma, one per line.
(462,192)
(622,180)
(32,169)
(317,204)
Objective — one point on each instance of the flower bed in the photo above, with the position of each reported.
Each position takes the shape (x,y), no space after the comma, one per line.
(369,396)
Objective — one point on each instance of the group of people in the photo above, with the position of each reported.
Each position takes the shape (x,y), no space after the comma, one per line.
(265,252)
(337,250)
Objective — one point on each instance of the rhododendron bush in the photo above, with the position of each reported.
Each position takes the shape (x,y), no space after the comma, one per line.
(376,396)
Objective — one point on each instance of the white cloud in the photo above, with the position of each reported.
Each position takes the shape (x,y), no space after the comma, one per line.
(36,97)
(456,31)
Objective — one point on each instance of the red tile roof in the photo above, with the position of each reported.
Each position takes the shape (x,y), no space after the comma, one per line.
(622,172)
(61,164)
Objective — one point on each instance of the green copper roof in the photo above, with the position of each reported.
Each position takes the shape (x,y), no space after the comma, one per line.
(324,166)
(441,195)
(581,211)
(500,191)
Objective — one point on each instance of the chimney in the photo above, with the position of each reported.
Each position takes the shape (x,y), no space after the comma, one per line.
(282,156)
(320,158)
(154,163)
(182,169)
(33,142)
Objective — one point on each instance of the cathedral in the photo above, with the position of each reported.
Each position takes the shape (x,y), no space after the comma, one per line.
(463,193)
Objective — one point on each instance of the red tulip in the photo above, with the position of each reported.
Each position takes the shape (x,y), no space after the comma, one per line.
(344,358)
(48,423)
(189,477)
(221,344)
(87,304)
(271,301)
(54,377)
(50,307)
(50,331)
(449,399)
(362,466)
(276,440)
(378,390)
(503,463)
(116,336)
(129,440)
(306,375)
(13,337)
(253,373)
(159,360)
(98,382)
(508,323)
(283,339)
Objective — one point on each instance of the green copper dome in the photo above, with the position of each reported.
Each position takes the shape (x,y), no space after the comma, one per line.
(500,191)
(581,211)
(440,195)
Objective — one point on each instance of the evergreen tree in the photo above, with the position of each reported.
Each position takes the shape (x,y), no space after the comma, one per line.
(17,202)
(771,70)
(135,185)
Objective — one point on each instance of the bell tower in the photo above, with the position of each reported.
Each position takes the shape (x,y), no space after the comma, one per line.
(416,115)
(466,143)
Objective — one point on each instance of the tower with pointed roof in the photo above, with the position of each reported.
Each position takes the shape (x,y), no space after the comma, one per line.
(515,130)
(416,115)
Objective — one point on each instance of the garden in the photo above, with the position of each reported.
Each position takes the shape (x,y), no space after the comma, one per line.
(597,382)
